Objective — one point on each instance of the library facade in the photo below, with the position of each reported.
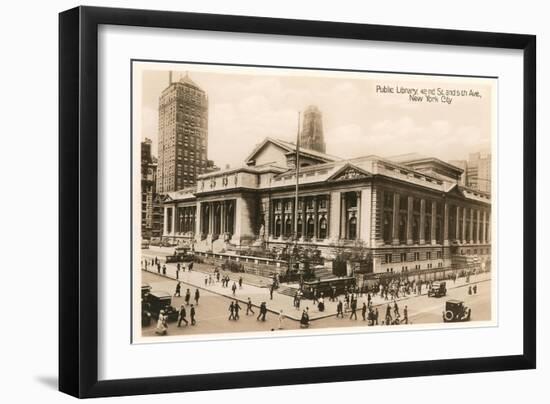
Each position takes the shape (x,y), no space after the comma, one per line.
(409,212)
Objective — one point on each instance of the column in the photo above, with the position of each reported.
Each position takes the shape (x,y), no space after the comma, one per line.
(282,228)
(478,225)
(434,219)
(457,236)
(483,228)
(315,218)
(210,218)
(464,212)
(223,218)
(334,216)
(304,219)
(268,222)
(343,215)
(198,222)
(409,219)
(471,235)
(174,220)
(446,223)
(165,221)
(488,227)
(422,220)
(358,217)
(395,219)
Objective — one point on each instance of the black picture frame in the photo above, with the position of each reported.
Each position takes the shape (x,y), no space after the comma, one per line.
(78,196)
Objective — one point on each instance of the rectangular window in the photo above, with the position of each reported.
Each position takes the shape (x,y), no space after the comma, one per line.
(387,258)
(428,255)
(403,257)
(417,256)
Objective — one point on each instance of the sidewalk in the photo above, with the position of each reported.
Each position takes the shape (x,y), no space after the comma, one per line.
(279,302)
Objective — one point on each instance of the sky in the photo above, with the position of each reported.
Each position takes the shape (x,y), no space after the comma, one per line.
(245,105)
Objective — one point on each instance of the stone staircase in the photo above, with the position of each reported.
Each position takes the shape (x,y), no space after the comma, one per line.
(287,290)
(466,262)
(324,273)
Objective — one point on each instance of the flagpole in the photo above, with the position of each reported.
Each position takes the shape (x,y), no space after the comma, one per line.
(297,180)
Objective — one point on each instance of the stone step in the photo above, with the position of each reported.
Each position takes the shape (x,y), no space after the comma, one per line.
(287,291)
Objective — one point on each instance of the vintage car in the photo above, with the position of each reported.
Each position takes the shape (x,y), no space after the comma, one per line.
(437,289)
(145,289)
(456,311)
(181,254)
(160,300)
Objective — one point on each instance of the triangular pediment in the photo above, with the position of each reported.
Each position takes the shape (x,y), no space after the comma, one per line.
(349,172)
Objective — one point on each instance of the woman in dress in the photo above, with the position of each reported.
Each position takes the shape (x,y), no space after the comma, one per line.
(162,327)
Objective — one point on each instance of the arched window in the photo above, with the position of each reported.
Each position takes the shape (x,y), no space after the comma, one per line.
(288,228)
(278,228)
(323,228)
(310,230)
(352,228)
(299,230)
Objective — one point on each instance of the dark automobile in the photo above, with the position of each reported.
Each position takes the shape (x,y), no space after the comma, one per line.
(437,289)
(456,311)
(145,289)
(181,254)
(159,300)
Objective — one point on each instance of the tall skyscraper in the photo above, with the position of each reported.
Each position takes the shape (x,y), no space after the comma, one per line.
(182,135)
(311,136)
(479,171)
(150,224)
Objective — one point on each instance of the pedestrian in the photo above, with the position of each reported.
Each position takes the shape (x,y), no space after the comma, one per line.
(304,321)
(395,308)
(182,316)
(158,267)
(469,290)
(364,311)
(231,311)
(240,282)
(162,326)
(178,290)
(339,309)
(210,280)
(475,289)
(376,315)
(237,308)
(263,311)
(205,281)
(406,315)
(178,268)
(249,307)
(164,269)
(281,318)
(190,267)
(271,291)
(353,309)
(197,296)
(234,288)
(187,297)
(218,276)
(192,314)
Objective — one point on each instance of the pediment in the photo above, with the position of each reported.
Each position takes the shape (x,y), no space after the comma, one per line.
(349,172)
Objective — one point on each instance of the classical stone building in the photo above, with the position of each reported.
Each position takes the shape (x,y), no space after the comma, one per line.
(409,212)
(182,135)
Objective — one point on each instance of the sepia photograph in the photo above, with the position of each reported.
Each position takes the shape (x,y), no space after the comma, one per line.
(270,201)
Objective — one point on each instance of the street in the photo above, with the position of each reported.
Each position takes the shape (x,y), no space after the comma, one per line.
(213,310)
